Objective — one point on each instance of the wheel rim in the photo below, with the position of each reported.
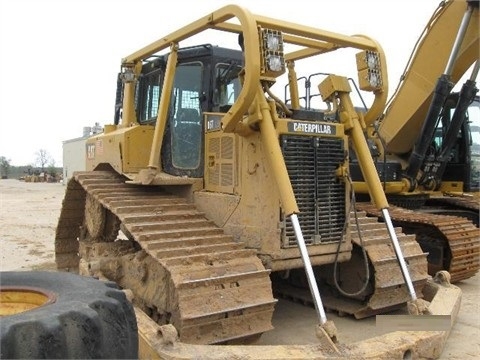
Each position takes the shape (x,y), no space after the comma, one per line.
(15,300)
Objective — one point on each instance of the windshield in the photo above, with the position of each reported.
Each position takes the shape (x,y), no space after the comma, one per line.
(227,86)
(474,121)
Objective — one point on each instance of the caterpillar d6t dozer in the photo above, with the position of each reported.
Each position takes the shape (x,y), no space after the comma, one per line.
(209,196)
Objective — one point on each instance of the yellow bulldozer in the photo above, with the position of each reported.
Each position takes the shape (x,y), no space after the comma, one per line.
(209,196)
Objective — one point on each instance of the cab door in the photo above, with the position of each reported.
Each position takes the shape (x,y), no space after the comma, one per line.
(182,152)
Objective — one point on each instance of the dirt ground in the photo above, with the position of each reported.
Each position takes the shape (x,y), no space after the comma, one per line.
(28,217)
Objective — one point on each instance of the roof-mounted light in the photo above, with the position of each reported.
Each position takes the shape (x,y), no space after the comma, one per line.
(271,50)
(273,40)
(369,70)
(127,75)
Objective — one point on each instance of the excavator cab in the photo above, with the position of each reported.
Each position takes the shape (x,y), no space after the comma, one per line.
(463,158)
(474,126)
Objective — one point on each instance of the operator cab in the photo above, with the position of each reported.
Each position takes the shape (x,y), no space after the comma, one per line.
(465,154)
(206,79)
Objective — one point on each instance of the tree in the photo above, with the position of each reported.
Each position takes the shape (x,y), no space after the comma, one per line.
(4,166)
(42,158)
(51,168)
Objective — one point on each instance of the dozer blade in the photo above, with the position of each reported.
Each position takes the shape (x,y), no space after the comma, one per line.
(161,341)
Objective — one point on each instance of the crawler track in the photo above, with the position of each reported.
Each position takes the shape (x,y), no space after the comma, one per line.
(453,242)
(465,206)
(181,268)
(386,290)
(184,270)
(390,290)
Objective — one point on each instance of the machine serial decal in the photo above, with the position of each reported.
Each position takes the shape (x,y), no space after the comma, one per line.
(214,122)
(90,151)
(311,128)
(99,147)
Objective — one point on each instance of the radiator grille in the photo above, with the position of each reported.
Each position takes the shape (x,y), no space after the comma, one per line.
(311,164)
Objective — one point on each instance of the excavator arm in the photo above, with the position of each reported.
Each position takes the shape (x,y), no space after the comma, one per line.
(405,114)
(423,137)
(434,167)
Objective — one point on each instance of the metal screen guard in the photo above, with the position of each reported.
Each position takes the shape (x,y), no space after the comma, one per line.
(312,283)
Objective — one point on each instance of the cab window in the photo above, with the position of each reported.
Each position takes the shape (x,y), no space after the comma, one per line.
(185,124)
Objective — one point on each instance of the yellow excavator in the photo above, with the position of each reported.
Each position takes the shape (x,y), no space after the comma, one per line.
(426,143)
(209,195)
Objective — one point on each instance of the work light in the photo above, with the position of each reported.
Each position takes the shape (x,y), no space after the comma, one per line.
(369,70)
(273,62)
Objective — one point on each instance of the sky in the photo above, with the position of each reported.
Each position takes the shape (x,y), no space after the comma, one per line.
(59,58)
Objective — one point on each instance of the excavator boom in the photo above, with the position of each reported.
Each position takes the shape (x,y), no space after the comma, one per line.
(428,61)
(424,147)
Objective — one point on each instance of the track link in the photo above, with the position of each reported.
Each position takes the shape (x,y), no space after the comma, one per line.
(454,242)
(214,289)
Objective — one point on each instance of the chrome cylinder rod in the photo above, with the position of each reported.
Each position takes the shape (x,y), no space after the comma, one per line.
(312,283)
(398,252)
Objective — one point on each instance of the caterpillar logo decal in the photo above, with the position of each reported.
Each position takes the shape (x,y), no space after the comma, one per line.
(311,128)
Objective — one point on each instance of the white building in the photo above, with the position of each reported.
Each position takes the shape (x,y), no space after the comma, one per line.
(74,152)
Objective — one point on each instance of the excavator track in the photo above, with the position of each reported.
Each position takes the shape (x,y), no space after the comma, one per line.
(453,242)
(386,290)
(462,205)
(181,268)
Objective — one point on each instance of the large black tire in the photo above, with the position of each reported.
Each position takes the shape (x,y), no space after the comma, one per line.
(90,319)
